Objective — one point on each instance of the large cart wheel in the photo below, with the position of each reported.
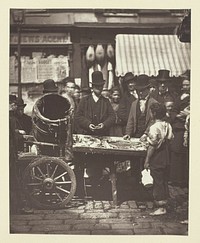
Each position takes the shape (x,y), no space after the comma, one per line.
(49,182)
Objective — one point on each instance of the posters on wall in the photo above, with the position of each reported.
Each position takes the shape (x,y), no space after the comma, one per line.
(45,69)
(39,69)
(60,68)
(28,71)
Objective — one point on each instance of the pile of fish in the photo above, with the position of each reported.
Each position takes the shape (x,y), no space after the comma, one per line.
(108,142)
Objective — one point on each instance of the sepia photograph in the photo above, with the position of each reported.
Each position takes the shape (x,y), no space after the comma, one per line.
(99,121)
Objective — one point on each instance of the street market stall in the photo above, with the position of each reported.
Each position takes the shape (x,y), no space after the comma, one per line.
(109,149)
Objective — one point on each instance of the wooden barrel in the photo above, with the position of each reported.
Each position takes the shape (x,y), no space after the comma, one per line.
(51,118)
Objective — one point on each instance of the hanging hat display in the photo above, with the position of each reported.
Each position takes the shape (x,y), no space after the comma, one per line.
(110,53)
(90,56)
(100,54)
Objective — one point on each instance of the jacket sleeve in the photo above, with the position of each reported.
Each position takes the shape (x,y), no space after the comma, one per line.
(131,122)
(122,111)
(80,117)
(111,116)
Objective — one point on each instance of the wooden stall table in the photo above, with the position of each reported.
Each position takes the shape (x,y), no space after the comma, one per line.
(109,149)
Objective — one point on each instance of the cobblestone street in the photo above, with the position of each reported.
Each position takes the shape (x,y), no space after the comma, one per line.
(100,218)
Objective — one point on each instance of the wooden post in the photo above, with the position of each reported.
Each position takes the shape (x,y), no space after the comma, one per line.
(19,60)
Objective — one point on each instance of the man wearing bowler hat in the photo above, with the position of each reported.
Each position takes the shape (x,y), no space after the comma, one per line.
(164,93)
(50,101)
(139,117)
(95,116)
(128,97)
(94,113)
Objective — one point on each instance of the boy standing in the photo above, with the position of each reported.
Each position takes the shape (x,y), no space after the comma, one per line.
(157,158)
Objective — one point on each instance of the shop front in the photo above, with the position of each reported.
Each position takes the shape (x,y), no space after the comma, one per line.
(43,55)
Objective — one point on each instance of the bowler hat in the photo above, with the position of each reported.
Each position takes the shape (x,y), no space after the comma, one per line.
(163,75)
(128,77)
(20,102)
(49,86)
(142,82)
(97,78)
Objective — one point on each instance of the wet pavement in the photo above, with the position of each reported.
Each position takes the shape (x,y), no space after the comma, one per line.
(99,217)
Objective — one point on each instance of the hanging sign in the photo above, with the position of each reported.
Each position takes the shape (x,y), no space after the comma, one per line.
(41,38)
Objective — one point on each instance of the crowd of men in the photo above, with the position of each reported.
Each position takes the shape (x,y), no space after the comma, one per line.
(128,110)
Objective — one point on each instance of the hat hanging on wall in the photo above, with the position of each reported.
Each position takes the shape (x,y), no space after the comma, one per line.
(90,56)
(100,54)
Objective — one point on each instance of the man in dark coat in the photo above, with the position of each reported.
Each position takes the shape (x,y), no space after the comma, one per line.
(139,115)
(139,119)
(128,97)
(95,116)
(179,172)
(24,121)
(15,195)
(163,93)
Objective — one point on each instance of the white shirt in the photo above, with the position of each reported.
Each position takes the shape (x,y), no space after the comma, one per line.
(134,93)
(159,132)
(96,98)
(184,95)
(143,103)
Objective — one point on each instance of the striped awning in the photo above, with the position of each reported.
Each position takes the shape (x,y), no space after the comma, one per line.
(146,54)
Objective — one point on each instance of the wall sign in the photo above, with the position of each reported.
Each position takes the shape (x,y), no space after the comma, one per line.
(41,38)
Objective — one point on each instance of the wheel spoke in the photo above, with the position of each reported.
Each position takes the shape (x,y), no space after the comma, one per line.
(34,176)
(48,174)
(34,184)
(41,172)
(62,182)
(61,189)
(59,197)
(54,171)
(60,176)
